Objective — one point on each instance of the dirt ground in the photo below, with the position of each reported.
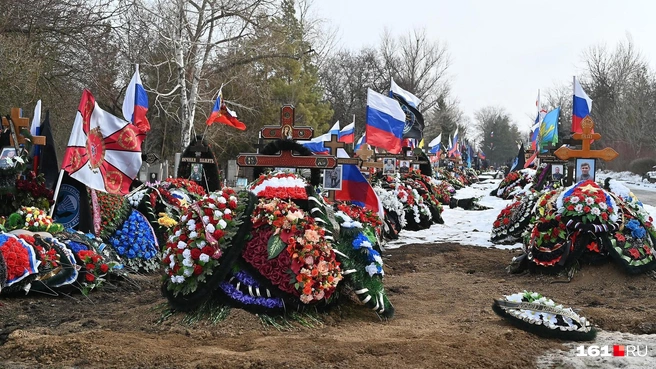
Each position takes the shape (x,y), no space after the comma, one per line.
(442,294)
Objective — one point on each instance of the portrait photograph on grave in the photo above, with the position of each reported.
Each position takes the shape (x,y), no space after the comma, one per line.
(585,169)
(557,172)
(332,178)
(389,165)
(404,166)
(196,172)
(415,166)
(7,153)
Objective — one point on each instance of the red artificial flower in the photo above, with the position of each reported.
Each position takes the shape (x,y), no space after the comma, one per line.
(570,207)
(207,250)
(198,270)
(195,253)
(586,209)
(647,249)
(634,253)
(506,221)
(592,246)
(604,216)
(89,277)
(90,267)
(104,268)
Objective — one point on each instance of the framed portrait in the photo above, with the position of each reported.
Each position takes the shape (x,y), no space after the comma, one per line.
(415,166)
(389,165)
(557,172)
(196,172)
(585,169)
(153,177)
(242,182)
(332,178)
(404,166)
(7,153)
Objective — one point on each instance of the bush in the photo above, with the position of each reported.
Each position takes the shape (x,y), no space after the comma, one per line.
(642,165)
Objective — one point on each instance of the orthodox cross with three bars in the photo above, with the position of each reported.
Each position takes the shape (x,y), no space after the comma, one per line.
(286,159)
(587,125)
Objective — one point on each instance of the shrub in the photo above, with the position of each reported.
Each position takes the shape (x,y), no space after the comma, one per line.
(642,165)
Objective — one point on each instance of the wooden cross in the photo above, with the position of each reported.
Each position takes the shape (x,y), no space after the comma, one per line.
(17,124)
(286,129)
(366,153)
(285,159)
(587,125)
(333,145)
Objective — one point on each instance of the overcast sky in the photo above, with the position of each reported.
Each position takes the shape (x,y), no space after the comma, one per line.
(502,51)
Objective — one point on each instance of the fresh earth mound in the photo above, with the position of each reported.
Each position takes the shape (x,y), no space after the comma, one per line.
(442,294)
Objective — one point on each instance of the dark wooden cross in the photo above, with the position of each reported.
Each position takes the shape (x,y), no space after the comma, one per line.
(333,145)
(286,159)
(286,129)
(587,125)
(16,124)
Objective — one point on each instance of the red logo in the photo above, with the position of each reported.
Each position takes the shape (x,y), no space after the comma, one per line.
(619,350)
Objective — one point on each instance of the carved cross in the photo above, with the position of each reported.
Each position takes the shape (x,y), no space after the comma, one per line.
(286,129)
(17,124)
(366,153)
(587,125)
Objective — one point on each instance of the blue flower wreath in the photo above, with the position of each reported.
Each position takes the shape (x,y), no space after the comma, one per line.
(245,298)
(359,244)
(637,230)
(135,238)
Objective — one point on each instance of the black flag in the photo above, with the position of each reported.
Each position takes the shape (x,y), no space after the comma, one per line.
(414,120)
(72,209)
(519,161)
(48,164)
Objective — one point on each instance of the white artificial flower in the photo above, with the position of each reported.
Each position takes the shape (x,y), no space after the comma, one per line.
(578,208)
(218,214)
(221,200)
(178,233)
(371,269)
(188,272)
(201,244)
(188,263)
(603,206)
(595,211)
(172,264)
(574,199)
(210,228)
(589,200)
(517,297)
(233,198)
(204,258)
(180,279)
(548,317)
(206,219)
(184,218)
(182,245)
(222,224)
(228,211)
(186,254)
(193,235)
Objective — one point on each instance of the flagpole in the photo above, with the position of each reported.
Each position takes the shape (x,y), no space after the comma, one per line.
(56,193)
(573,94)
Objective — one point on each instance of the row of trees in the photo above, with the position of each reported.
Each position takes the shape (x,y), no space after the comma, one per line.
(266,53)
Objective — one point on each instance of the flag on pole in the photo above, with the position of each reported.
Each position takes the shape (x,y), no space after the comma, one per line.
(135,103)
(361,141)
(481,155)
(453,150)
(519,161)
(414,120)
(104,151)
(437,140)
(356,189)
(35,130)
(49,166)
(221,114)
(347,134)
(385,122)
(581,108)
(549,129)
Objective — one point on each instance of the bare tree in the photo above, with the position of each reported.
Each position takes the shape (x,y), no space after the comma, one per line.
(417,65)
(499,137)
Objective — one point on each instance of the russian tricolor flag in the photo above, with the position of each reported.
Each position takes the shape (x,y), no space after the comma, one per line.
(581,107)
(221,114)
(347,134)
(316,144)
(361,141)
(356,189)
(135,103)
(385,122)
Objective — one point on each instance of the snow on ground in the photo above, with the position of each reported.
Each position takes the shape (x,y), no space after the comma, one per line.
(461,226)
(473,228)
